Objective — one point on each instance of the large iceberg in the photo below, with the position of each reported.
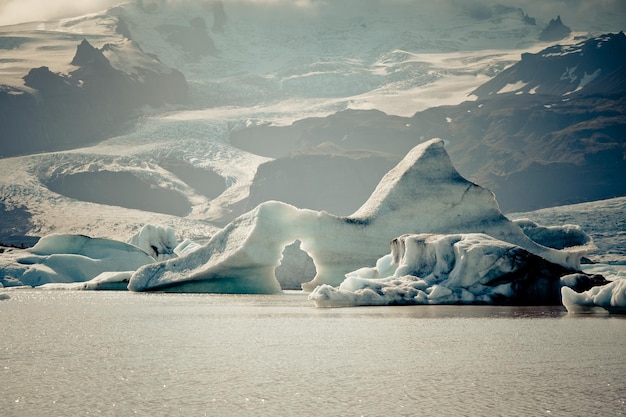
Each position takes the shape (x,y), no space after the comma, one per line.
(422,194)
(64,258)
(453,269)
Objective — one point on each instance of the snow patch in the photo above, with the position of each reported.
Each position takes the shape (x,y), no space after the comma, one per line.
(509,88)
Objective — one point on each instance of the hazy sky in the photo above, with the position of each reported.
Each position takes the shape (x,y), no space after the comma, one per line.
(16,11)
(579,14)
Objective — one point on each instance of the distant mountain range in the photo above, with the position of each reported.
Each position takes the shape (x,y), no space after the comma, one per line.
(549,130)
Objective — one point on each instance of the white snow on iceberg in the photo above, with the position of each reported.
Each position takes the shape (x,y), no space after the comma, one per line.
(422,194)
(157,241)
(607,298)
(65,258)
(448,269)
(106,281)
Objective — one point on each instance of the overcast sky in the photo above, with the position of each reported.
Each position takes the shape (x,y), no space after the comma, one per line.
(579,14)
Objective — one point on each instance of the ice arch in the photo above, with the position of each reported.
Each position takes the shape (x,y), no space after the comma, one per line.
(423,193)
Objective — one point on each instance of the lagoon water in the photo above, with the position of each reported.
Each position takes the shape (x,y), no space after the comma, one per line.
(66,353)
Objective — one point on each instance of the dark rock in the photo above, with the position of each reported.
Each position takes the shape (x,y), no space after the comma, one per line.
(87,55)
(349,129)
(205,181)
(325,177)
(122,28)
(529,155)
(120,189)
(555,31)
(527,19)
(90,103)
(15,223)
(592,67)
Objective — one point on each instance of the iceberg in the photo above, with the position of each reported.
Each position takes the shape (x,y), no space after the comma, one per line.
(609,298)
(557,237)
(106,281)
(452,269)
(65,258)
(422,194)
(157,241)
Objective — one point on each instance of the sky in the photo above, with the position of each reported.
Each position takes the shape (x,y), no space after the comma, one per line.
(574,12)
(18,11)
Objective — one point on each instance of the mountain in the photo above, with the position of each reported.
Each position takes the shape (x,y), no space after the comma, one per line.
(89,103)
(590,68)
(542,133)
(324,177)
(555,31)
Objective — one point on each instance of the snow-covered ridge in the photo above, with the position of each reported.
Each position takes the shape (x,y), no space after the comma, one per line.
(594,66)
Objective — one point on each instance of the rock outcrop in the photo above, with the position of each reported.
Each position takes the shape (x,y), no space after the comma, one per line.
(86,105)
(555,31)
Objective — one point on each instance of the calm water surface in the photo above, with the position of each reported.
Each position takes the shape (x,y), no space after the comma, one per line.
(119,354)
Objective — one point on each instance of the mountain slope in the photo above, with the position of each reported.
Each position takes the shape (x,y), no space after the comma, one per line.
(593,67)
(563,146)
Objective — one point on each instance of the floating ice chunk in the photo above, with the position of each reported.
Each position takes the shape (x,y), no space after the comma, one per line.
(73,258)
(450,269)
(106,281)
(557,237)
(157,241)
(607,298)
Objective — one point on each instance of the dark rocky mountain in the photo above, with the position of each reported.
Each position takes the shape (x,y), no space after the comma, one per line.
(592,67)
(555,31)
(90,103)
(325,177)
(541,145)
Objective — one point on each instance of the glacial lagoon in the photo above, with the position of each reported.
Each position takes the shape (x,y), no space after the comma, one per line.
(79,353)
